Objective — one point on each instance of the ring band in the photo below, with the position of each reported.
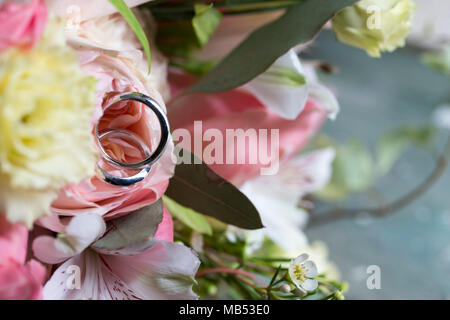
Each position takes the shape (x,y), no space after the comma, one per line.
(150,158)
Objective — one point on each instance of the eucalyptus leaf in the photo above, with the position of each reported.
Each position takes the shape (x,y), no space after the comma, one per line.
(205,22)
(299,24)
(197,187)
(131,229)
(132,21)
(189,217)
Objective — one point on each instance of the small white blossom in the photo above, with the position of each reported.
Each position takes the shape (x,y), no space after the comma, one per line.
(301,272)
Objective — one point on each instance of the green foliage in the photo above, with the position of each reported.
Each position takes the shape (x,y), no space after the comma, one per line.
(205,22)
(253,56)
(197,187)
(131,229)
(393,144)
(439,61)
(189,217)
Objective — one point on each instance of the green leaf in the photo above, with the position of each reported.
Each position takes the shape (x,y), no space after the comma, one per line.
(197,187)
(205,22)
(353,167)
(197,68)
(189,217)
(132,228)
(130,18)
(439,61)
(394,143)
(353,171)
(258,52)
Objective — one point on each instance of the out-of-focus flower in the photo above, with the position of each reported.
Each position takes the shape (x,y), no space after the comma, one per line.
(282,192)
(441,116)
(109,51)
(21,24)
(46,104)
(301,272)
(156,269)
(18,280)
(375,25)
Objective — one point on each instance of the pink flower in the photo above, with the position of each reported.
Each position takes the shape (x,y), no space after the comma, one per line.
(21,24)
(115,77)
(236,109)
(18,280)
(153,269)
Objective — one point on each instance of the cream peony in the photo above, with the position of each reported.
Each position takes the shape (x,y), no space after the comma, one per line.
(46,104)
(375,25)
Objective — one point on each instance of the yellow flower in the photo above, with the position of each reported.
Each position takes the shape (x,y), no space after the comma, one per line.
(375,25)
(46,142)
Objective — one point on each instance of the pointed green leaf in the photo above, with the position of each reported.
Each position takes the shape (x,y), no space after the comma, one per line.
(258,52)
(189,217)
(130,18)
(205,22)
(132,228)
(197,187)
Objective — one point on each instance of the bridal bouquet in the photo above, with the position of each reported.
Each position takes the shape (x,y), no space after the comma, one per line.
(163,151)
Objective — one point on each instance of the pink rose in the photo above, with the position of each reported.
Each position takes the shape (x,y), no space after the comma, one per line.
(21,24)
(18,280)
(240,109)
(94,195)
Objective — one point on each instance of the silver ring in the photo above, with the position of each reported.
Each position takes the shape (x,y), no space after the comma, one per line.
(150,158)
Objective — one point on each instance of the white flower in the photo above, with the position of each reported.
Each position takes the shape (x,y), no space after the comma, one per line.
(276,197)
(302,271)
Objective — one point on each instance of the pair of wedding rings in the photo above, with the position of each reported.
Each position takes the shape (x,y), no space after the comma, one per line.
(149,157)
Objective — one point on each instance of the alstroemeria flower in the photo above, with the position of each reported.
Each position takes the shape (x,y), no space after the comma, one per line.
(281,193)
(154,269)
(19,280)
(275,196)
(301,272)
(241,109)
(21,25)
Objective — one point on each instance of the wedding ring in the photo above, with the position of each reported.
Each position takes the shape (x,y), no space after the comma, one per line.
(149,157)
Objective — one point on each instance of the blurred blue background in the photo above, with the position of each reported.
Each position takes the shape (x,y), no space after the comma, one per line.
(411,246)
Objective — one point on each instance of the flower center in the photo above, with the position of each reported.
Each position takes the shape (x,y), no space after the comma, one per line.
(299,273)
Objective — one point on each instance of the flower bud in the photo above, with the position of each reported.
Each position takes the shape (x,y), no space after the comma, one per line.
(285,288)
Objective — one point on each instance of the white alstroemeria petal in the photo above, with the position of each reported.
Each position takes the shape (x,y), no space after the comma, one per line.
(82,230)
(299,176)
(307,173)
(165,271)
(441,116)
(278,91)
(311,269)
(310,285)
(282,220)
(325,98)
